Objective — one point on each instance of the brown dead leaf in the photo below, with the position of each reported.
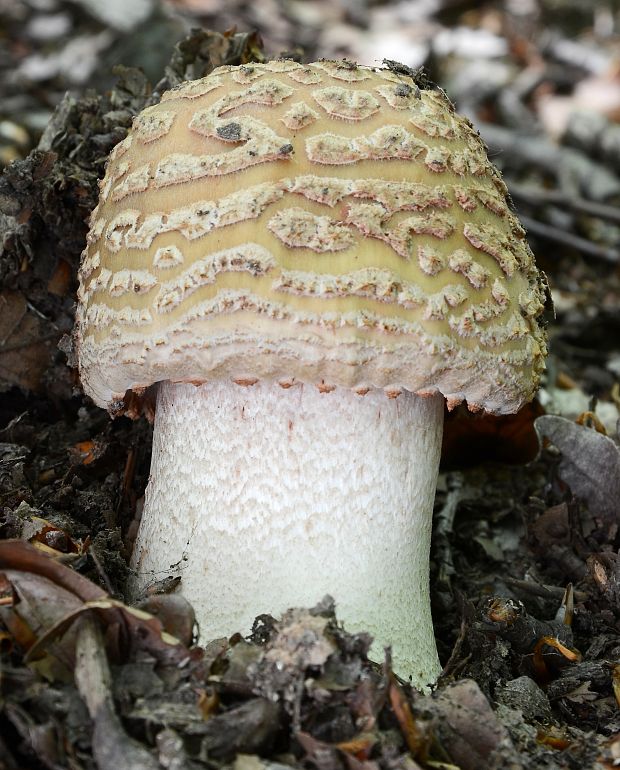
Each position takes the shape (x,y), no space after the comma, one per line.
(469,730)
(604,567)
(415,737)
(85,452)
(208,703)
(52,596)
(47,537)
(551,528)
(360,746)
(7,594)
(615,678)
(6,642)
(553,737)
(25,344)
(61,279)
(538,660)
(319,753)
(590,464)
(175,613)
(39,603)
(22,556)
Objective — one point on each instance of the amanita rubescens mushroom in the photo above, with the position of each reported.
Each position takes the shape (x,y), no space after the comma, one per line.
(309,260)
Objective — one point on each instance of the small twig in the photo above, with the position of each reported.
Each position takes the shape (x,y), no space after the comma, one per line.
(453,661)
(444,524)
(112,747)
(15,421)
(565,348)
(543,590)
(37,312)
(127,480)
(28,343)
(11,460)
(552,233)
(574,172)
(536,195)
(101,572)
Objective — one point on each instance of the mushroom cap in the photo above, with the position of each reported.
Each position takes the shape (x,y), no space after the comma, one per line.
(326,223)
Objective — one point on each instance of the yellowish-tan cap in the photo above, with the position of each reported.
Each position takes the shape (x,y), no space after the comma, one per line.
(325,223)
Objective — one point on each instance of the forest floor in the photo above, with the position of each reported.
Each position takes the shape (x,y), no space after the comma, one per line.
(525,570)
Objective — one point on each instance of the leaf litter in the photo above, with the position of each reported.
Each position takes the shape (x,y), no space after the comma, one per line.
(525,571)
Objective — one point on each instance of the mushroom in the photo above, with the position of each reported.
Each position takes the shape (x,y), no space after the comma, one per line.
(309,260)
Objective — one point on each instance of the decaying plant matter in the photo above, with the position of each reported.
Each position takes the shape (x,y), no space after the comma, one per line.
(71,481)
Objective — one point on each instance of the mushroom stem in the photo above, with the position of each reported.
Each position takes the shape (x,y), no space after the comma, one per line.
(266,498)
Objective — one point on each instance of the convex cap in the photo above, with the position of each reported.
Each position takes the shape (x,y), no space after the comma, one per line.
(326,223)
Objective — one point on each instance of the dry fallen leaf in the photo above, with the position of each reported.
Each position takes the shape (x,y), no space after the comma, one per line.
(52,597)
(415,736)
(590,464)
(25,343)
(469,730)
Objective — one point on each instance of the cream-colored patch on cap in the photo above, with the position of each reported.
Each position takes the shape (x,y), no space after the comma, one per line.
(299,116)
(97,226)
(193,89)
(250,258)
(531,304)
(305,75)
(300,229)
(135,182)
(466,198)
(167,256)
(469,198)
(437,159)
(264,146)
(382,285)
(483,311)
(106,185)
(267,92)
(500,293)
(131,281)
(372,220)
(461,261)
(98,283)
(90,262)
(391,142)
(342,70)
(464,162)
(114,232)
(152,124)
(399,96)
(430,261)
(492,200)
(120,149)
(282,65)
(101,315)
(246,73)
(492,241)
(340,102)
(131,230)
(438,305)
